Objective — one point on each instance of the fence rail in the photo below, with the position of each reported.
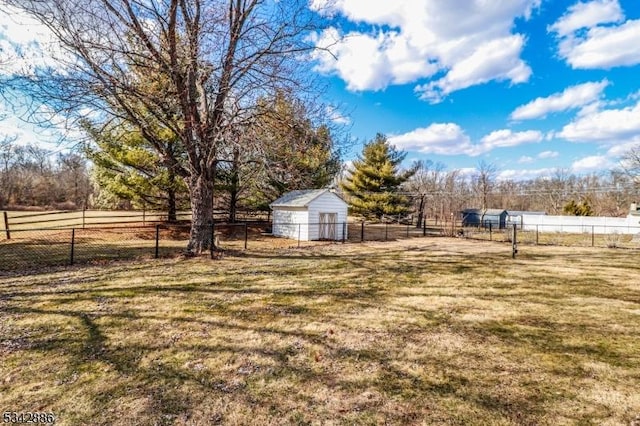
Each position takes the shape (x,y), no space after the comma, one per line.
(32,249)
(571,235)
(66,219)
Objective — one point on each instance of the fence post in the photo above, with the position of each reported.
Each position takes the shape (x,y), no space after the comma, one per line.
(6,225)
(299,230)
(386,231)
(157,241)
(453,226)
(593,240)
(537,234)
(490,231)
(514,242)
(407,231)
(144,215)
(246,235)
(84,209)
(344,232)
(73,244)
(424,227)
(362,232)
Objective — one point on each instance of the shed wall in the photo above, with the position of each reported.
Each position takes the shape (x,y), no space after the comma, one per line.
(327,203)
(291,222)
(477,219)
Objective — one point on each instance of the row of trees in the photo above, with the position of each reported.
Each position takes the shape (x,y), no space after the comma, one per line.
(33,176)
(126,173)
(188,76)
(294,154)
(202,100)
(377,187)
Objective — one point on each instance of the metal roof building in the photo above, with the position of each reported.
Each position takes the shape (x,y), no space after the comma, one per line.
(496,218)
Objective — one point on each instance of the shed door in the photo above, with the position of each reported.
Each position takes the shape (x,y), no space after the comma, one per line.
(328,226)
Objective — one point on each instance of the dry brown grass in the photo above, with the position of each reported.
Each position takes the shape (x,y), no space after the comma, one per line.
(422,331)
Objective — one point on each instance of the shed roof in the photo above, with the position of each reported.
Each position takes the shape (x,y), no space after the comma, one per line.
(300,198)
(490,212)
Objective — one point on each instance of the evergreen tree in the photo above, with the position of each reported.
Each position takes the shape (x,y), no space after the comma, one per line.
(126,167)
(582,209)
(375,179)
(297,153)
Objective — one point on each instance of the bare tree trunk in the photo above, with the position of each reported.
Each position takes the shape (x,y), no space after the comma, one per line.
(201,191)
(420,211)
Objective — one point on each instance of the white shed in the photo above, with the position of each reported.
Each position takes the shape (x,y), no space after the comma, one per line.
(317,214)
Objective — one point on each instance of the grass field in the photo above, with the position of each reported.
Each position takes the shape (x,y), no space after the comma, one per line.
(421,331)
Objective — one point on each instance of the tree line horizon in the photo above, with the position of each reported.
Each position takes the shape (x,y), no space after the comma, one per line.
(376,185)
(201,100)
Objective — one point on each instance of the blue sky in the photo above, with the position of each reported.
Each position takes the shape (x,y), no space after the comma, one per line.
(528,85)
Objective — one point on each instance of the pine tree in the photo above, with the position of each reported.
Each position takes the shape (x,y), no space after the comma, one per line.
(297,152)
(582,209)
(126,167)
(375,179)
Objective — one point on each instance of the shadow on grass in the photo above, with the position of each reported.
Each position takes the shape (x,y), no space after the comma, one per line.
(281,361)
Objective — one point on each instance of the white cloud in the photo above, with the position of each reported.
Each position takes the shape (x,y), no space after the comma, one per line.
(438,138)
(585,43)
(592,163)
(523,174)
(608,126)
(620,149)
(507,138)
(450,139)
(525,159)
(27,133)
(605,47)
(573,97)
(412,40)
(336,116)
(25,43)
(548,154)
(587,15)
(358,54)
(495,60)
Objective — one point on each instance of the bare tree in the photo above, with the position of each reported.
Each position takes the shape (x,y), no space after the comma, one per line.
(483,182)
(554,191)
(631,163)
(207,61)
(424,185)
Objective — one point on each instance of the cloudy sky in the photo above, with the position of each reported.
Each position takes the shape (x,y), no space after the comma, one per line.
(528,85)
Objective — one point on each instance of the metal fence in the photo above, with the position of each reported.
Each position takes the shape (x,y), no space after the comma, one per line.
(32,249)
(38,248)
(571,235)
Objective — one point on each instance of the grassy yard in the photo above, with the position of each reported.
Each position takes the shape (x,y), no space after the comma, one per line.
(422,331)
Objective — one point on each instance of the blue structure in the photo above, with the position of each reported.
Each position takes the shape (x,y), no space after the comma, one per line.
(495,218)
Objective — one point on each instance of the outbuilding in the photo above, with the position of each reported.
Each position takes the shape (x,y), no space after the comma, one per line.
(495,218)
(316,214)
(516,216)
